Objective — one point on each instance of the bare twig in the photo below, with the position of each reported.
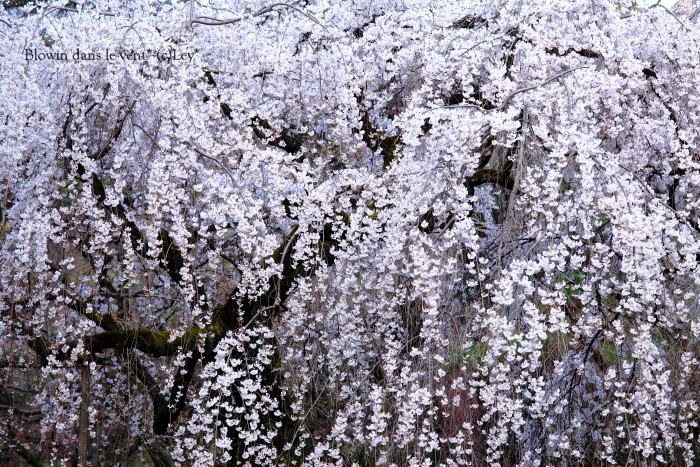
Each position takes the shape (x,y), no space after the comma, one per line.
(688,222)
(510,96)
(658,3)
(217,161)
(694,14)
(73,10)
(214,22)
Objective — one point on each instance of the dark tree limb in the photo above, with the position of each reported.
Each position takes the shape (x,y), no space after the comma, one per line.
(28,457)
(153,343)
(588,53)
(280,139)
(501,177)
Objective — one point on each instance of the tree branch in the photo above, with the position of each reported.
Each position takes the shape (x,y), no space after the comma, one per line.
(510,96)
(148,341)
(214,22)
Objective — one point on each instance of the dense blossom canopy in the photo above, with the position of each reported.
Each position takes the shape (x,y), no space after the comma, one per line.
(367,232)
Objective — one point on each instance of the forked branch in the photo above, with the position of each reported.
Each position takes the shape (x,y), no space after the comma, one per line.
(268,9)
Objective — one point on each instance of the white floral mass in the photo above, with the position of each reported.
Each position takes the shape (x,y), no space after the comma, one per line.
(352,233)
